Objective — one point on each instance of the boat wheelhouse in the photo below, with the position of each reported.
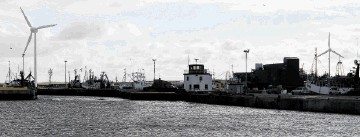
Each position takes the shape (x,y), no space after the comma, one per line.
(197,79)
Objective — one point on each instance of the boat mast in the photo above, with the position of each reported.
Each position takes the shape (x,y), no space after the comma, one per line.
(329,54)
(316,62)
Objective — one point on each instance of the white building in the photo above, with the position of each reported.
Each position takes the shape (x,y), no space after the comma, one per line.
(197,79)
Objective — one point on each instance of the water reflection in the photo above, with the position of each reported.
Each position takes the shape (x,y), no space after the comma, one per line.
(100,116)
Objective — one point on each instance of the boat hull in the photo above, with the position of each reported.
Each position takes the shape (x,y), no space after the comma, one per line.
(11,93)
(325,90)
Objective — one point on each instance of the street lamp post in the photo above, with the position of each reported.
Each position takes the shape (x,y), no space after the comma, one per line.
(65,74)
(9,72)
(69,76)
(246,52)
(154,67)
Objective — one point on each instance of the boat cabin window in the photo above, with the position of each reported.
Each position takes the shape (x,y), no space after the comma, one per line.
(190,86)
(196,67)
(187,78)
(206,86)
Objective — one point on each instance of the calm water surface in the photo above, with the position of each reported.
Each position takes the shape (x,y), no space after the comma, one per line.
(99,116)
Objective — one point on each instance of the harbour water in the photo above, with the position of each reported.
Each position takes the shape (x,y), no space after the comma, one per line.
(103,116)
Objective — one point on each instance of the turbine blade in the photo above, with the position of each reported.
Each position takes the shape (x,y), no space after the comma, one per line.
(324,52)
(27,20)
(336,53)
(46,26)
(329,41)
(27,44)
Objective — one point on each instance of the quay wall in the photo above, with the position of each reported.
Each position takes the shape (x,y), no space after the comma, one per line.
(17,94)
(80,92)
(314,103)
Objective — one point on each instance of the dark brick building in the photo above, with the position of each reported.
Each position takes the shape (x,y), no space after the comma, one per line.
(285,74)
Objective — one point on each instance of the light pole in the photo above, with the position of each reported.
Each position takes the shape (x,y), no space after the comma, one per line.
(154,68)
(10,69)
(69,76)
(9,72)
(65,74)
(246,52)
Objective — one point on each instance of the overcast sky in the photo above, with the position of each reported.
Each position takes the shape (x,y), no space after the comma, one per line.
(112,35)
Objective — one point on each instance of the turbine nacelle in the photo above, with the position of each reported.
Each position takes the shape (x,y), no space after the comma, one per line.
(33,30)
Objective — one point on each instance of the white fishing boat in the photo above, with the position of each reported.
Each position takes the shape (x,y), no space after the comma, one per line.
(325,89)
(137,81)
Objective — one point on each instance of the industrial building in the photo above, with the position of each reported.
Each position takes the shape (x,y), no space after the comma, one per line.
(285,74)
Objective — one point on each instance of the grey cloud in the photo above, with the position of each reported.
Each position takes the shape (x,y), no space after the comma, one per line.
(230,45)
(82,30)
(356,29)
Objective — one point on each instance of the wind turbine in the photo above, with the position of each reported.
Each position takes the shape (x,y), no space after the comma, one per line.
(33,30)
(330,50)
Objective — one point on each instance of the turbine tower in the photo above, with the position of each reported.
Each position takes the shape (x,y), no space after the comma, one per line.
(329,50)
(33,30)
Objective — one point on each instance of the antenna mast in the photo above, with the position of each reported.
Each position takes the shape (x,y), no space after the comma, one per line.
(124,77)
(339,68)
(50,74)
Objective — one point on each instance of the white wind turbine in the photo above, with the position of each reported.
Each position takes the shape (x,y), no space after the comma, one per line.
(33,30)
(329,51)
